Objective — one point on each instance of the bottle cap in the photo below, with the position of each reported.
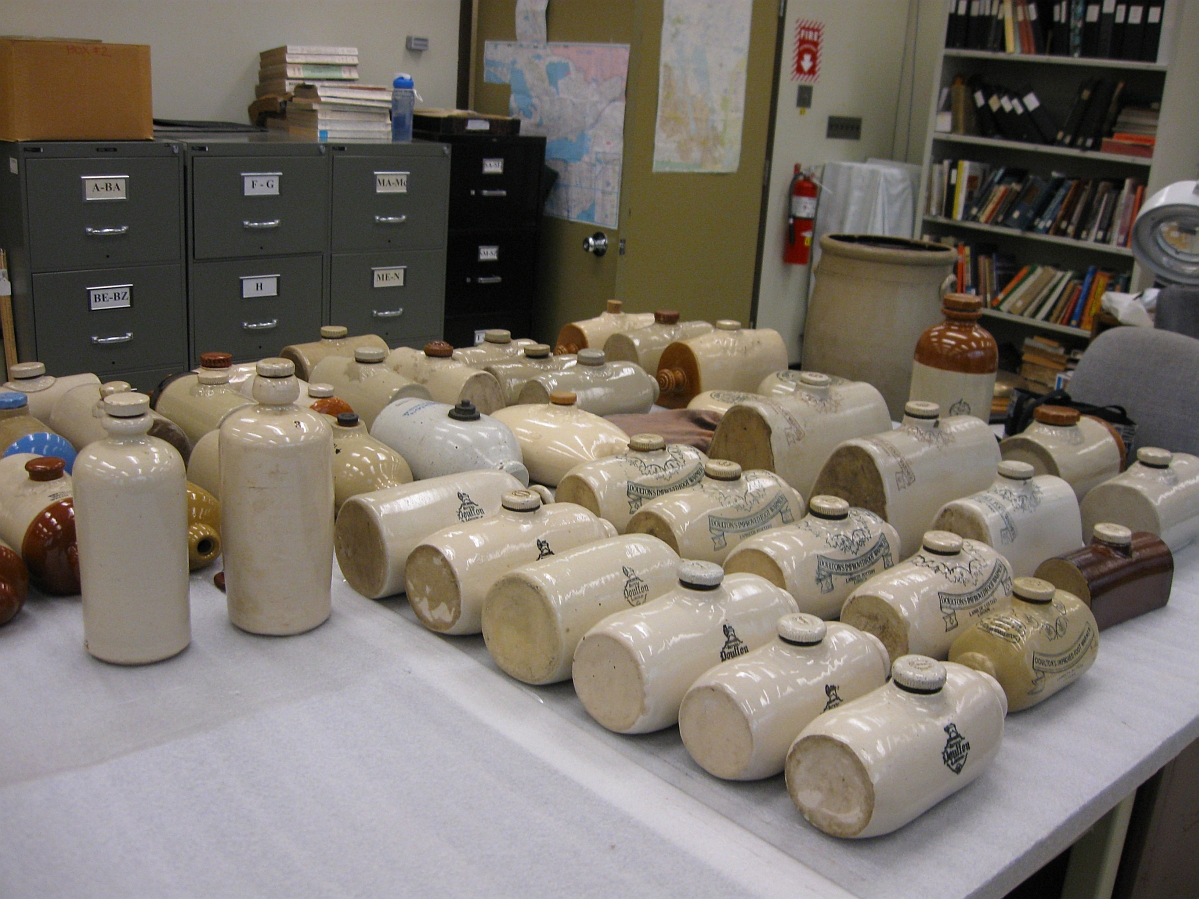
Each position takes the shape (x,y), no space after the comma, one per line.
(801,629)
(23,370)
(403,81)
(212,375)
(591,357)
(614,306)
(700,575)
(814,379)
(961,302)
(537,351)
(369,355)
(1033,589)
(438,349)
(216,360)
(320,391)
(1154,457)
(334,332)
(1112,534)
(728,324)
(45,468)
(922,410)
(13,399)
(666,316)
(521,501)
(918,674)
(464,411)
(942,543)
(347,419)
(722,470)
(497,335)
(1015,471)
(563,398)
(647,443)
(108,388)
(127,405)
(834,508)
(275,367)
(1056,415)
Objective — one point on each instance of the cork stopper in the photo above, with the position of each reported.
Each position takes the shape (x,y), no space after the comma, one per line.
(918,674)
(537,351)
(1062,416)
(320,391)
(369,355)
(347,419)
(1113,534)
(521,501)
(647,443)
(802,629)
(1154,457)
(727,324)
(497,335)
(722,470)
(26,370)
(591,357)
(814,379)
(613,307)
(334,332)
(921,410)
(1033,589)
(1015,471)
(563,398)
(127,405)
(438,349)
(275,367)
(216,360)
(45,468)
(832,508)
(942,543)
(699,575)
(666,316)
(13,399)
(464,411)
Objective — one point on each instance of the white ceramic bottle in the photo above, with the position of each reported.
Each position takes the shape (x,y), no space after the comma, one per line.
(1077,448)
(37,518)
(131,523)
(535,615)
(362,464)
(872,765)
(199,401)
(555,438)
(720,401)
(204,463)
(497,346)
(727,358)
(739,718)
(823,557)
(616,487)
(335,341)
(276,471)
(922,604)
(600,386)
(1159,493)
(449,574)
(447,379)
(43,390)
(1028,519)
(645,345)
(514,372)
(594,332)
(365,382)
(632,669)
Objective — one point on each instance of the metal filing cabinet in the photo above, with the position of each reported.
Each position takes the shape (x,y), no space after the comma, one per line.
(95,240)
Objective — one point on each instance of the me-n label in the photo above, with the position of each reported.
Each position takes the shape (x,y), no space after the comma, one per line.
(114,296)
(391,182)
(388,276)
(105,187)
(493,166)
(260,184)
(259,286)
(489,254)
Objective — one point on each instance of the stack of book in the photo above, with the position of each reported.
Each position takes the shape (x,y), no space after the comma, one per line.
(339,112)
(1134,132)
(1042,360)
(1058,296)
(282,69)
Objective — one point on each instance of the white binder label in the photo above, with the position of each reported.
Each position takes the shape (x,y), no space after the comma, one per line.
(391,182)
(388,276)
(259,286)
(489,254)
(493,166)
(105,187)
(1155,15)
(114,296)
(1134,14)
(478,125)
(260,184)
(1093,12)
(1109,7)
(1121,13)
(1030,101)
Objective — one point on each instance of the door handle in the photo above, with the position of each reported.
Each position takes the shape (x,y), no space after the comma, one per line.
(387,313)
(106,232)
(261,226)
(109,341)
(260,326)
(489,279)
(390,219)
(597,243)
(493,193)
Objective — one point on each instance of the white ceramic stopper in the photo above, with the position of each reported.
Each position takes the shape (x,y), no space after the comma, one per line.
(127,405)
(802,629)
(814,379)
(275,367)
(370,354)
(1113,534)
(537,351)
(943,543)
(921,409)
(320,391)
(700,575)
(1154,457)
(1015,471)
(722,470)
(23,370)
(497,335)
(647,443)
(831,507)
(334,332)
(1033,589)
(521,501)
(728,324)
(918,674)
(591,357)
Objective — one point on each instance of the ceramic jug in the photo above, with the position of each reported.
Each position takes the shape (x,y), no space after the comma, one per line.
(515,371)
(436,439)
(720,400)
(199,401)
(727,358)
(1077,448)
(204,463)
(41,389)
(644,346)
(335,341)
(276,475)
(497,346)
(131,521)
(203,527)
(37,518)
(14,583)
(362,464)
(821,558)
(20,432)
(1044,641)
(555,438)
(1027,518)
(594,332)
(739,718)
(1158,494)
(795,435)
(600,386)
(535,615)
(709,520)
(784,382)
(922,604)
(449,574)
(905,475)
(956,360)
(632,669)
(243,374)
(870,766)
(78,413)
(447,379)
(366,383)
(616,487)
(376,532)
(325,401)
(1119,574)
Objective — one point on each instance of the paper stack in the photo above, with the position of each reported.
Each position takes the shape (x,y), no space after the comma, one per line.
(340,112)
(282,69)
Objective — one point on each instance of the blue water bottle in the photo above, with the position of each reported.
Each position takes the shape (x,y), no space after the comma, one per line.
(403,101)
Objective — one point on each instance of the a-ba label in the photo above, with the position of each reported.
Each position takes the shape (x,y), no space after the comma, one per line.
(105,187)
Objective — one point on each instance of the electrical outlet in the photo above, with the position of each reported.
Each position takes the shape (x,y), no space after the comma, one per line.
(844,128)
(804,98)
(417,43)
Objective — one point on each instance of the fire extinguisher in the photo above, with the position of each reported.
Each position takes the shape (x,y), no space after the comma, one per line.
(801,218)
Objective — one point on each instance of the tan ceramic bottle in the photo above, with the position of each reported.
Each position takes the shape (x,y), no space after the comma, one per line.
(325,401)
(362,464)
(14,583)
(514,372)
(365,382)
(204,463)
(131,521)
(728,358)
(335,341)
(448,380)
(645,345)
(43,390)
(600,387)
(594,332)
(37,517)
(956,361)
(199,401)
(203,527)
(555,438)
(497,346)
(1077,448)
(276,471)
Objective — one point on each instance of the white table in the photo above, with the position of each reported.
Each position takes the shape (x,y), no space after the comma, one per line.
(372,757)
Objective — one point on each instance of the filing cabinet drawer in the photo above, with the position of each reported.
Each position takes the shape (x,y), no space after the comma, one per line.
(496,182)
(254,307)
(462,330)
(490,269)
(259,205)
(89,212)
(382,202)
(111,320)
(397,295)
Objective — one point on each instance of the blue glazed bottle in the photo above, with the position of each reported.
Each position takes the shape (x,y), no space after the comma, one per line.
(403,101)
(20,432)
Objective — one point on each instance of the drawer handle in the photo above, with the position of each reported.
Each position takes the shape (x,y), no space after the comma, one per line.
(489,279)
(109,341)
(390,219)
(261,226)
(106,232)
(387,313)
(493,193)
(260,326)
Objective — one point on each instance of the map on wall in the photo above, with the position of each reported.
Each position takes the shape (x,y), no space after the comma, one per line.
(701,85)
(574,94)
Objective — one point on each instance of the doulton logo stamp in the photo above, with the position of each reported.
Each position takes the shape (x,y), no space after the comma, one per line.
(733,646)
(468,509)
(956,749)
(635,588)
(834,698)
(543,549)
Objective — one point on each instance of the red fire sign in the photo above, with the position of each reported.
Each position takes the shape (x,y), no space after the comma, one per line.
(809,39)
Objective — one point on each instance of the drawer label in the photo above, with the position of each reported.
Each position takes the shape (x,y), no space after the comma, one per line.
(480,336)
(478,125)
(105,187)
(391,182)
(389,276)
(260,184)
(114,296)
(259,286)
(493,166)
(489,254)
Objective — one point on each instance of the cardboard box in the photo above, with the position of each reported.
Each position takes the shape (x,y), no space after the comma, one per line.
(74,90)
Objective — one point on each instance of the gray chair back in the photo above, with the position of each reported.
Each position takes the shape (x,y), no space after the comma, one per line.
(1178,310)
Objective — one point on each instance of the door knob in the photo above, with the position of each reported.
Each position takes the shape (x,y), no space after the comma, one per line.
(597,243)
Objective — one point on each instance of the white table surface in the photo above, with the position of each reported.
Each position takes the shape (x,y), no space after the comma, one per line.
(371,757)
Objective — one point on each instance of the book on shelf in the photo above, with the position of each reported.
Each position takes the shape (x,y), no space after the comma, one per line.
(280,87)
(1059,296)
(1105,29)
(1126,148)
(310,54)
(301,71)
(365,94)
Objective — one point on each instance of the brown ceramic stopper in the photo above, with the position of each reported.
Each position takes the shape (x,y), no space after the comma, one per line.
(563,398)
(666,317)
(672,380)
(216,360)
(438,349)
(614,306)
(961,306)
(1056,415)
(45,468)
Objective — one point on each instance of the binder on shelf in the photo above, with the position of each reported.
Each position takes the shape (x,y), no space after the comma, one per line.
(1065,135)
(955,32)
(1152,34)
(1040,116)
(1107,25)
(1090,28)
(983,115)
(1133,31)
(1095,115)
(1118,30)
